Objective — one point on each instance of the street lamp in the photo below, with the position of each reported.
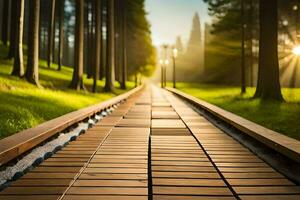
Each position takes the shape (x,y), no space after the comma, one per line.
(174,56)
(167,62)
(161,63)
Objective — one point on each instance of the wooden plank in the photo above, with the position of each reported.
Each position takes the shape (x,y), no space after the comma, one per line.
(270,197)
(111,183)
(253,175)
(213,191)
(186,175)
(42,182)
(108,191)
(188,182)
(95,176)
(275,190)
(172,197)
(259,182)
(104,197)
(33,190)
(29,197)
(167,123)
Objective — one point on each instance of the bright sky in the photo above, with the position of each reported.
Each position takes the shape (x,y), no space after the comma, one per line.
(172,18)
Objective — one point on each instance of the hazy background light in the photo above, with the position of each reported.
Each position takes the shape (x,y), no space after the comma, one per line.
(296,50)
(172,18)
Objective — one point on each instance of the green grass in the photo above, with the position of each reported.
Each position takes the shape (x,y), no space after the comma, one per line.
(281,117)
(23,105)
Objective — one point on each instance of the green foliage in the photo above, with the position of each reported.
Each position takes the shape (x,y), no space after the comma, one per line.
(281,117)
(23,105)
(226,13)
(222,60)
(140,51)
(223,50)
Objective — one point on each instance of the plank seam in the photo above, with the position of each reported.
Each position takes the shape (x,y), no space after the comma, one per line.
(84,167)
(209,158)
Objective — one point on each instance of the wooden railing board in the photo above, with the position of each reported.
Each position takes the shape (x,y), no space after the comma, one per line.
(17,144)
(285,145)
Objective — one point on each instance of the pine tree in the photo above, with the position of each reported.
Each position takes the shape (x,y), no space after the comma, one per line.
(61,33)
(109,77)
(51,33)
(268,85)
(5,21)
(12,36)
(98,10)
(194,44)
(32,70)
(77,78)
(18,67)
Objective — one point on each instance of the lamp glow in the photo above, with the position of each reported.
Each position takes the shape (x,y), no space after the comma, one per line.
(296,50)
(175,52)
(167,62)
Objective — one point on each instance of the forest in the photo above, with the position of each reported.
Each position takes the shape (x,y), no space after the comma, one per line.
(67,54)
(93,37)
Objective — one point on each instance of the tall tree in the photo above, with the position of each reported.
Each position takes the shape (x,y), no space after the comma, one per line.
(12,36)
(194,44)
(18,67)
(117,39)
(123,43)
(268,85)
(243,61)
(5,21)
(138,36)
(32,70)
(91,39)
(51,33)
(103,40)
(109,78)
(77,79)
(97,44)
(61,32)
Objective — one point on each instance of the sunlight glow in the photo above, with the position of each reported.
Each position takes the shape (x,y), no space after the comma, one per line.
(296,50)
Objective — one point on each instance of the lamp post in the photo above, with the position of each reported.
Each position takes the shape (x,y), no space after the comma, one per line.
(161,62)
(167,62)
(174,56)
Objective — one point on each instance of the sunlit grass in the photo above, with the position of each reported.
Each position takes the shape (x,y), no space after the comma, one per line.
(281,117)
(23,105)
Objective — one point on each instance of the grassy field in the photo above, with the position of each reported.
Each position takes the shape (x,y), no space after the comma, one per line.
(281,117)
(22,105)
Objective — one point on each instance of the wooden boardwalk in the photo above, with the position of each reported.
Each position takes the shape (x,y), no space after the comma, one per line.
(153,146)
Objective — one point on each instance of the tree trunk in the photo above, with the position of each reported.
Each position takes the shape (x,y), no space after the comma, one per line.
(32,71)
(251,26)
(268,85)
(12,36)
(86,35)
(97,44)
(5,22)
(51,34)
(243,66)
(77,79)
(109,78)
(93,43)
(61,33)
(102,46)
(18,68)
(123,43)
(91,53)
(124,49)
(117,40)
